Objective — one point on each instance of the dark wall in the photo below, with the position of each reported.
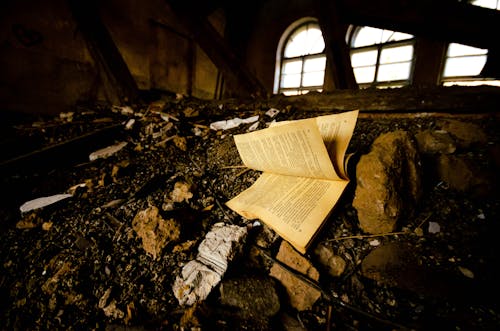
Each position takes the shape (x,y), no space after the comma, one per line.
(46,66)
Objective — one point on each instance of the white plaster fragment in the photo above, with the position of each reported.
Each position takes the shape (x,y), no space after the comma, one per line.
(198,277)
(42,202)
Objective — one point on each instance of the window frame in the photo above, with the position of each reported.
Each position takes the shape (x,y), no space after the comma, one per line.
(281,59)
(353,32)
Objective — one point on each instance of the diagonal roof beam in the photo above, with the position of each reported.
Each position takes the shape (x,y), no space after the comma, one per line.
(240,81)
(445,20)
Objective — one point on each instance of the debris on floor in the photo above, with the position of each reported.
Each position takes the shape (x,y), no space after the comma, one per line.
(143,239)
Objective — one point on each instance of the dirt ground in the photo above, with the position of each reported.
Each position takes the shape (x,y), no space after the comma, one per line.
(79,264)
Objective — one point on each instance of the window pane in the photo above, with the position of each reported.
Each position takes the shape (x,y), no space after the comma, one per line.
(396,54)
(292,67)
(464,66)
(367,36)
(396,71)
(313,78)
(291,92)
(460,50)
(315,43)
(290,80)
(388,35)
(492,4)
(366,58)
(365,74)
(315,64)
(305,40)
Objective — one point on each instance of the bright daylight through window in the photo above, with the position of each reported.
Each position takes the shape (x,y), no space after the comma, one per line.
(381,58)
(463,64)
(303,60)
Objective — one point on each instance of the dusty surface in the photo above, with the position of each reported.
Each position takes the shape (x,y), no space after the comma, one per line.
(79,264)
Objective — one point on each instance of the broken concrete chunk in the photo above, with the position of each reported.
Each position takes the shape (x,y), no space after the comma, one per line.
(302,295)
(335,264)
(464,174)
(388,182)
(253,297)
(435,142)
(465,133)
(396,264)
(198,277)
(107,151)
(112,311)
(154,231)
(42,202)
(181,192)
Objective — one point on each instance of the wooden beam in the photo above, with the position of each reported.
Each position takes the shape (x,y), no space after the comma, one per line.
(118,80)
(339,69)
(454,99)
(239,80)
(443,20)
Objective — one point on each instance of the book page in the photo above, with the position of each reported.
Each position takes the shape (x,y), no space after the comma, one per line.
(294,149)
(336,131)
(294,207)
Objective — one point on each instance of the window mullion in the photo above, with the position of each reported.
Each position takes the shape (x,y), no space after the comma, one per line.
(302,73)
(377,63)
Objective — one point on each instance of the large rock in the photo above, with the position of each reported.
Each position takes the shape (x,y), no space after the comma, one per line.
(466,134)
(464,174)
(435,142)
(396,264)
(388,182)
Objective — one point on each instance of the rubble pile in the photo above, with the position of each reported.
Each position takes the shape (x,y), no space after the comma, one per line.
(130,230)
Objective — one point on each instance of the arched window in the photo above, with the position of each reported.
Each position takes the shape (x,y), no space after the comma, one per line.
(463,64)
(301,59)
(381,58)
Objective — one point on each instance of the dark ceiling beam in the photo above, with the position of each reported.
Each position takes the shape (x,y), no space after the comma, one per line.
(338,67)
(239,80)
(117,78)
(442,20)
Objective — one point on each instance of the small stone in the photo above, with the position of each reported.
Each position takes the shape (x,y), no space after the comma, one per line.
(154,231)
(302,296)
(466,272)
(334,264)
(434,227)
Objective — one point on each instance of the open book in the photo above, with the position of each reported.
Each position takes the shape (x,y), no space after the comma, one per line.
(304,174)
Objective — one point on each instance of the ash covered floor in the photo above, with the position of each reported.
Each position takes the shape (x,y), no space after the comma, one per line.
(82,264)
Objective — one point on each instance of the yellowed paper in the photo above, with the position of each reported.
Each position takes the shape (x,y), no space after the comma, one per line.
(304,174)
(295,149)
(295,207)
(336,132)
